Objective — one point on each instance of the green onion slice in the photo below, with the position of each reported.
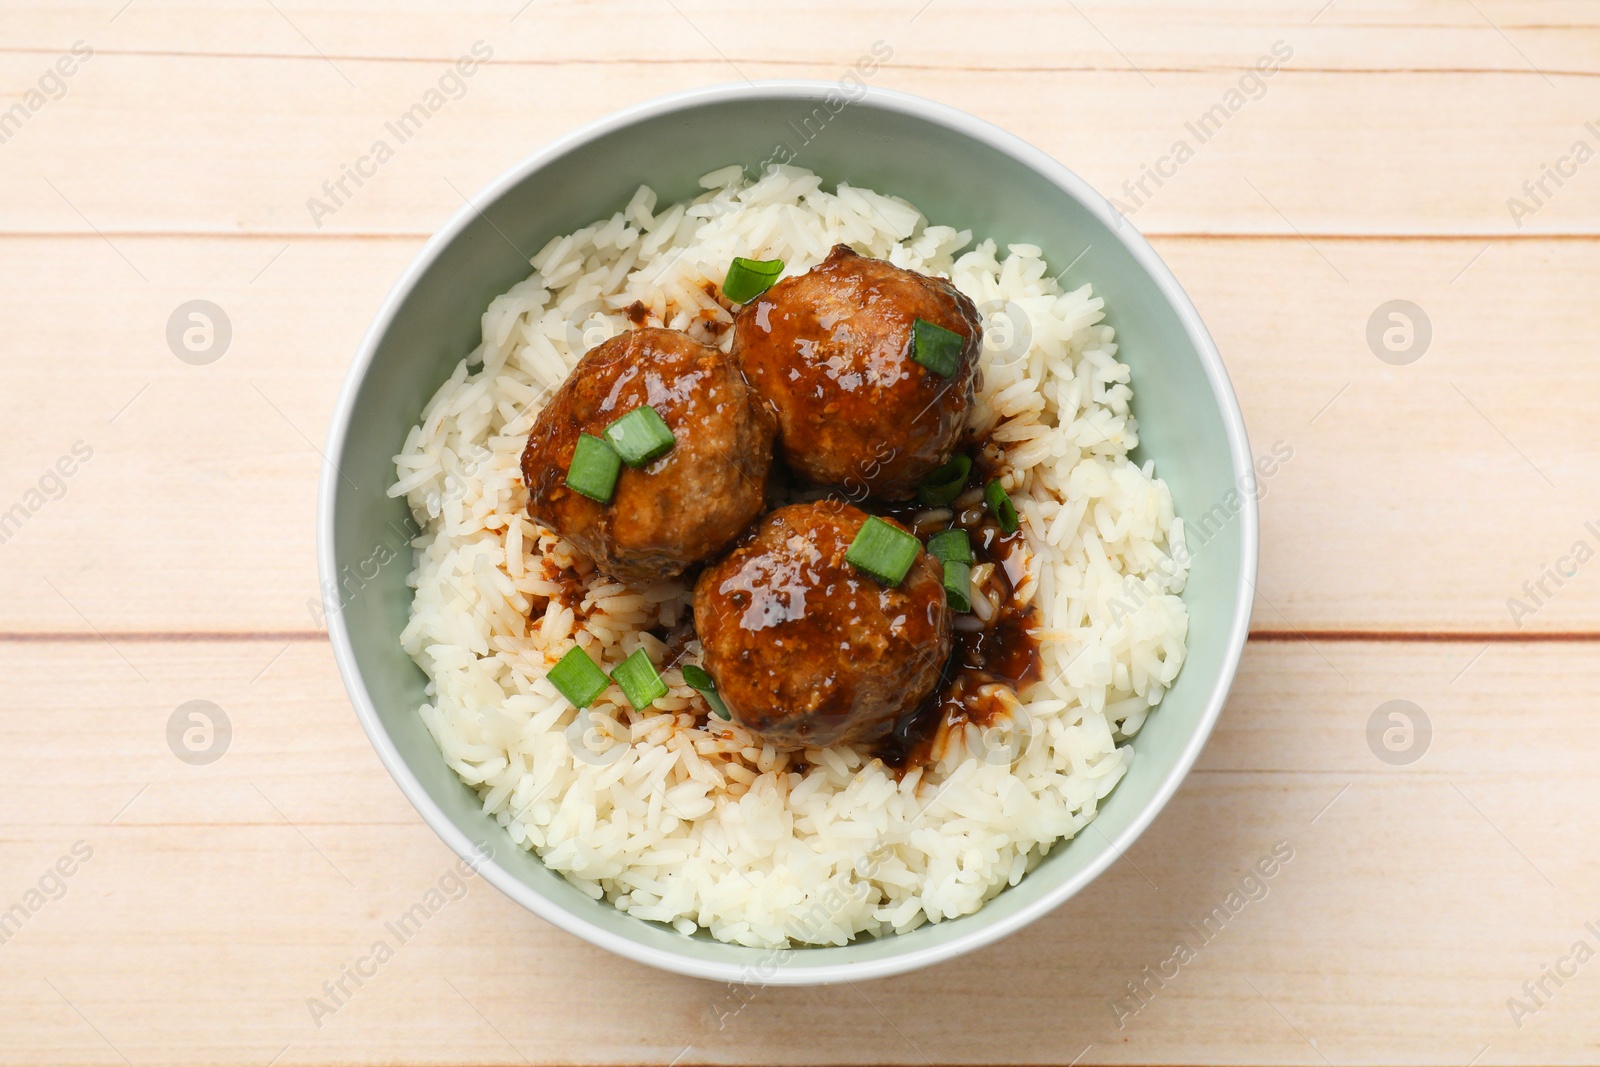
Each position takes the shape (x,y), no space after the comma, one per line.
(951,545)
(640,436)
(884,551)
(943,484)
(700,679)
(1005,512)
(936,348)
(749,278)
(639,680)
(958,584)
(594,469)
(578,679)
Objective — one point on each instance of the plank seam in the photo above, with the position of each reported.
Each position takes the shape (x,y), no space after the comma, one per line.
(719,61)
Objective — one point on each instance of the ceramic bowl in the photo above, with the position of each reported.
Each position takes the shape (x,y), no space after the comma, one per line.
(958,170)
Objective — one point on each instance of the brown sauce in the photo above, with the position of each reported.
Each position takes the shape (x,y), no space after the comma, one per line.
(1006,649)
(712,325)
(714,291)
(569,596)
(1003,653)
(677,639)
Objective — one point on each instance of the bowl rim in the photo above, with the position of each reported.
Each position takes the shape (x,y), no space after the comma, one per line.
(988,134)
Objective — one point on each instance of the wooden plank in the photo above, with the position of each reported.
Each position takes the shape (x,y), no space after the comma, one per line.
(1420,498)
(1423,496)
(1318,153)
(184,458)
(1418,899)
(1150,36)
(1403,506)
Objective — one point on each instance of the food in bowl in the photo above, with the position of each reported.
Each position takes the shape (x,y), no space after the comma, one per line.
(809,648)
(718,458)
(866,698)
(831,351)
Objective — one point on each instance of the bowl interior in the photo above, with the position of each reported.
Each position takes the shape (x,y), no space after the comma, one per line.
(958,172)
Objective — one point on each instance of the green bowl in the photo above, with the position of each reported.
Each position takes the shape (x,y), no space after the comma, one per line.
(959,171)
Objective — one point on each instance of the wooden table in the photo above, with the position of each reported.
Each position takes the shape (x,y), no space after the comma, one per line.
(206,903)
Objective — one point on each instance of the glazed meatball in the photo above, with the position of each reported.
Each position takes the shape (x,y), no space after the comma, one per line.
(675,510)
(830,352)
(807,651)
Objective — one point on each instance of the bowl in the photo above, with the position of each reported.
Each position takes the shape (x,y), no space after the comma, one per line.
(958,170)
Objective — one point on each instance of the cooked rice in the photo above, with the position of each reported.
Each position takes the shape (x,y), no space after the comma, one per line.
(702,827)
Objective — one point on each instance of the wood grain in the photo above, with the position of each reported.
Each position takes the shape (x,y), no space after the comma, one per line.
(1357,36)
(177,563)
(1459,444)
(1417,901)
(1318,153)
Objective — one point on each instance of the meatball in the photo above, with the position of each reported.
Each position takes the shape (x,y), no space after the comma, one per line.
(830,352)
(807,651)
(675,510)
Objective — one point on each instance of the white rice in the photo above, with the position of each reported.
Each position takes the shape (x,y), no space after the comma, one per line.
(703,828)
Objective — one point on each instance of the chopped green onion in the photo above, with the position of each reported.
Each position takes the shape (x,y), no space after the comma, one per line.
(639,680)
(594,468)
(958,584)
(1005,512)
(700,679)
(884,551)
(951,545)
(944,484)
(749,278)
(578,679)
(936,348)
(640,436)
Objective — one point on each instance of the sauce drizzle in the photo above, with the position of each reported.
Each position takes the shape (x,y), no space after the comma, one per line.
(984,663)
